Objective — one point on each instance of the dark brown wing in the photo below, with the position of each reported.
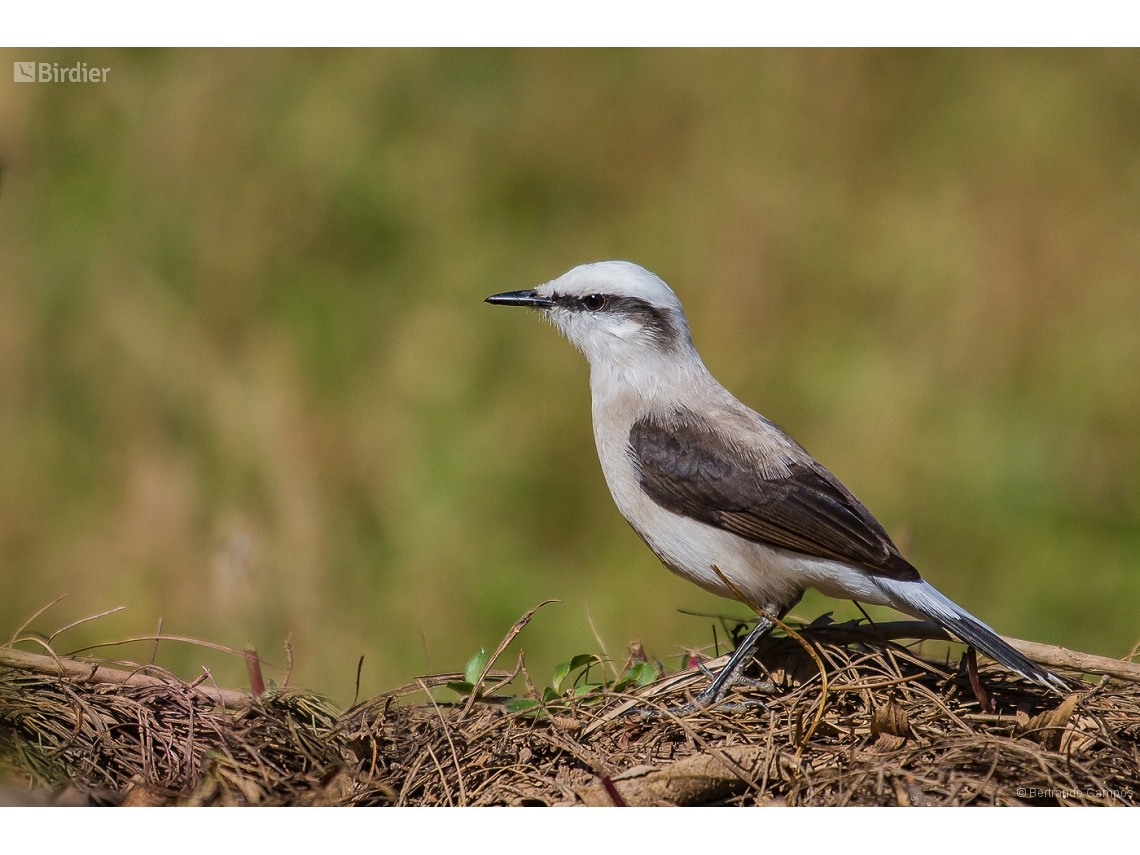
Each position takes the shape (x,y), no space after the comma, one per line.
(689,468)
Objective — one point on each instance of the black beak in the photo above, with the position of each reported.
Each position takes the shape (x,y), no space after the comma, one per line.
(520,298)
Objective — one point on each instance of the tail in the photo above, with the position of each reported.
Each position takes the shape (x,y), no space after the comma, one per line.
(923,600)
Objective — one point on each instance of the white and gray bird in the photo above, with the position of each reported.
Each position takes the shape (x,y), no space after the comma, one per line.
(720,494)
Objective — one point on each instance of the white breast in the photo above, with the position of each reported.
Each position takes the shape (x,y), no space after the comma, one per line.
(765,576)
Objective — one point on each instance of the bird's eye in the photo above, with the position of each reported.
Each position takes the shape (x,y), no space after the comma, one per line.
(593,302)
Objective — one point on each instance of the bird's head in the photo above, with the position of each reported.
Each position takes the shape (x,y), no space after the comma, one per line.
(618,314)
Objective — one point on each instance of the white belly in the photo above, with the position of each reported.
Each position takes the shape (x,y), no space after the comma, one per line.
(763,575)
(692,549)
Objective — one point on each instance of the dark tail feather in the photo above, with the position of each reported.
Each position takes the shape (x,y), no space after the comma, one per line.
(973,632)
(923,600)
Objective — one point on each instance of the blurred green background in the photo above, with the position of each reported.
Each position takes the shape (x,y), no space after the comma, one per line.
(248,384)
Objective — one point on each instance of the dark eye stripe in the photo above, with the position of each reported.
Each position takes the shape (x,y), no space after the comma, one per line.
(657,321)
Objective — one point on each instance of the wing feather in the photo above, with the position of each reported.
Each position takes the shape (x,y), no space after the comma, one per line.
(687,466)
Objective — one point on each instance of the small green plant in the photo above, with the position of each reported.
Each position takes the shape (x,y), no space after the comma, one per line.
(471,672)
(572,680)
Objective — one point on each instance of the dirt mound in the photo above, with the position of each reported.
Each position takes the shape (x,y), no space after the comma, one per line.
(835,714)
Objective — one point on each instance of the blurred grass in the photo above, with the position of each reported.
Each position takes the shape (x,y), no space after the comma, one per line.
(247,382)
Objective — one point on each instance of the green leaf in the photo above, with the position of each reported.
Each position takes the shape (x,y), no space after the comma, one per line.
(462,688)
(645,673)
(520,704)
(560,673)
(550,694)
(585,689)
(638,674)
(475,666)
(565,669)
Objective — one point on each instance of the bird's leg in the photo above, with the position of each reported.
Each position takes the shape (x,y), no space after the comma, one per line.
(730,673)
(728,676)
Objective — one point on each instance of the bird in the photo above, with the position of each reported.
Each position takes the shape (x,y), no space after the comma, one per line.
(721,495)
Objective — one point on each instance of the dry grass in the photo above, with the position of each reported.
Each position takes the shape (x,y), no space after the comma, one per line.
(894,728)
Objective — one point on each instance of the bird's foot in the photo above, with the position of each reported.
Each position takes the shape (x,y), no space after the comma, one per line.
(714,694)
